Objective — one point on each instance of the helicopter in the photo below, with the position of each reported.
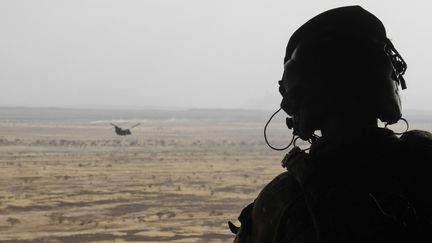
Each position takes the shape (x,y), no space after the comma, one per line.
(123,132)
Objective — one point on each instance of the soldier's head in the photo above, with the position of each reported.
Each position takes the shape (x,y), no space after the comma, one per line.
(341,63)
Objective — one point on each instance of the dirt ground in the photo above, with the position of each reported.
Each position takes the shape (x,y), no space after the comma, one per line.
(167,182)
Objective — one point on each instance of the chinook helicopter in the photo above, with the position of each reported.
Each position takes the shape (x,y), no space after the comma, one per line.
(123,132)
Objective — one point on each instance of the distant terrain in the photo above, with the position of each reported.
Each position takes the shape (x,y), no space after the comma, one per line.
(72,115)
(182,174)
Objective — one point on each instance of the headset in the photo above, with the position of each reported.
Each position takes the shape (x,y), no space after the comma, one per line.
(398,66)
(398,63)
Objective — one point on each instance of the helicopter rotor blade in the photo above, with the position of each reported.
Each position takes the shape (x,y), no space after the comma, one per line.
(135,125)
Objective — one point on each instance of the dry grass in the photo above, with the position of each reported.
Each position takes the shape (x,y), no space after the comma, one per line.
(168,182)
(165,183)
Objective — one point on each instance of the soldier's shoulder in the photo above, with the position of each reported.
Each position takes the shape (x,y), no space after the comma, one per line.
(281,183)
(418,142)
(278,195)
(282,189)
(417,148)
(417,137)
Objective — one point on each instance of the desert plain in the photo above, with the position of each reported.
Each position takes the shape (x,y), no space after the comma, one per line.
(172,180)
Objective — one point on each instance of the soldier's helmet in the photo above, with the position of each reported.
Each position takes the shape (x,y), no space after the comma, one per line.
(341,63)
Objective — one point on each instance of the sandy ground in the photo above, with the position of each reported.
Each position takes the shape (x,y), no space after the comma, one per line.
(164,183)
(167,182)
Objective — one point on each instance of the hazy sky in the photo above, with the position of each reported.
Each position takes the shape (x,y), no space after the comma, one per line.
(178,53)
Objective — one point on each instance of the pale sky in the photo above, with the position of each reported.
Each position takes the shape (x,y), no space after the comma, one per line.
(178,53)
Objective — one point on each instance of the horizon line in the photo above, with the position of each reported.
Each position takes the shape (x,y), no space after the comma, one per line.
(162,108)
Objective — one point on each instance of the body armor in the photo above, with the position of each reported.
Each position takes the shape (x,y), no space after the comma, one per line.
(372,188)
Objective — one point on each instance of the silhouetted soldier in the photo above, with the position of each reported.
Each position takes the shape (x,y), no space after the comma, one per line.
(358,182)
